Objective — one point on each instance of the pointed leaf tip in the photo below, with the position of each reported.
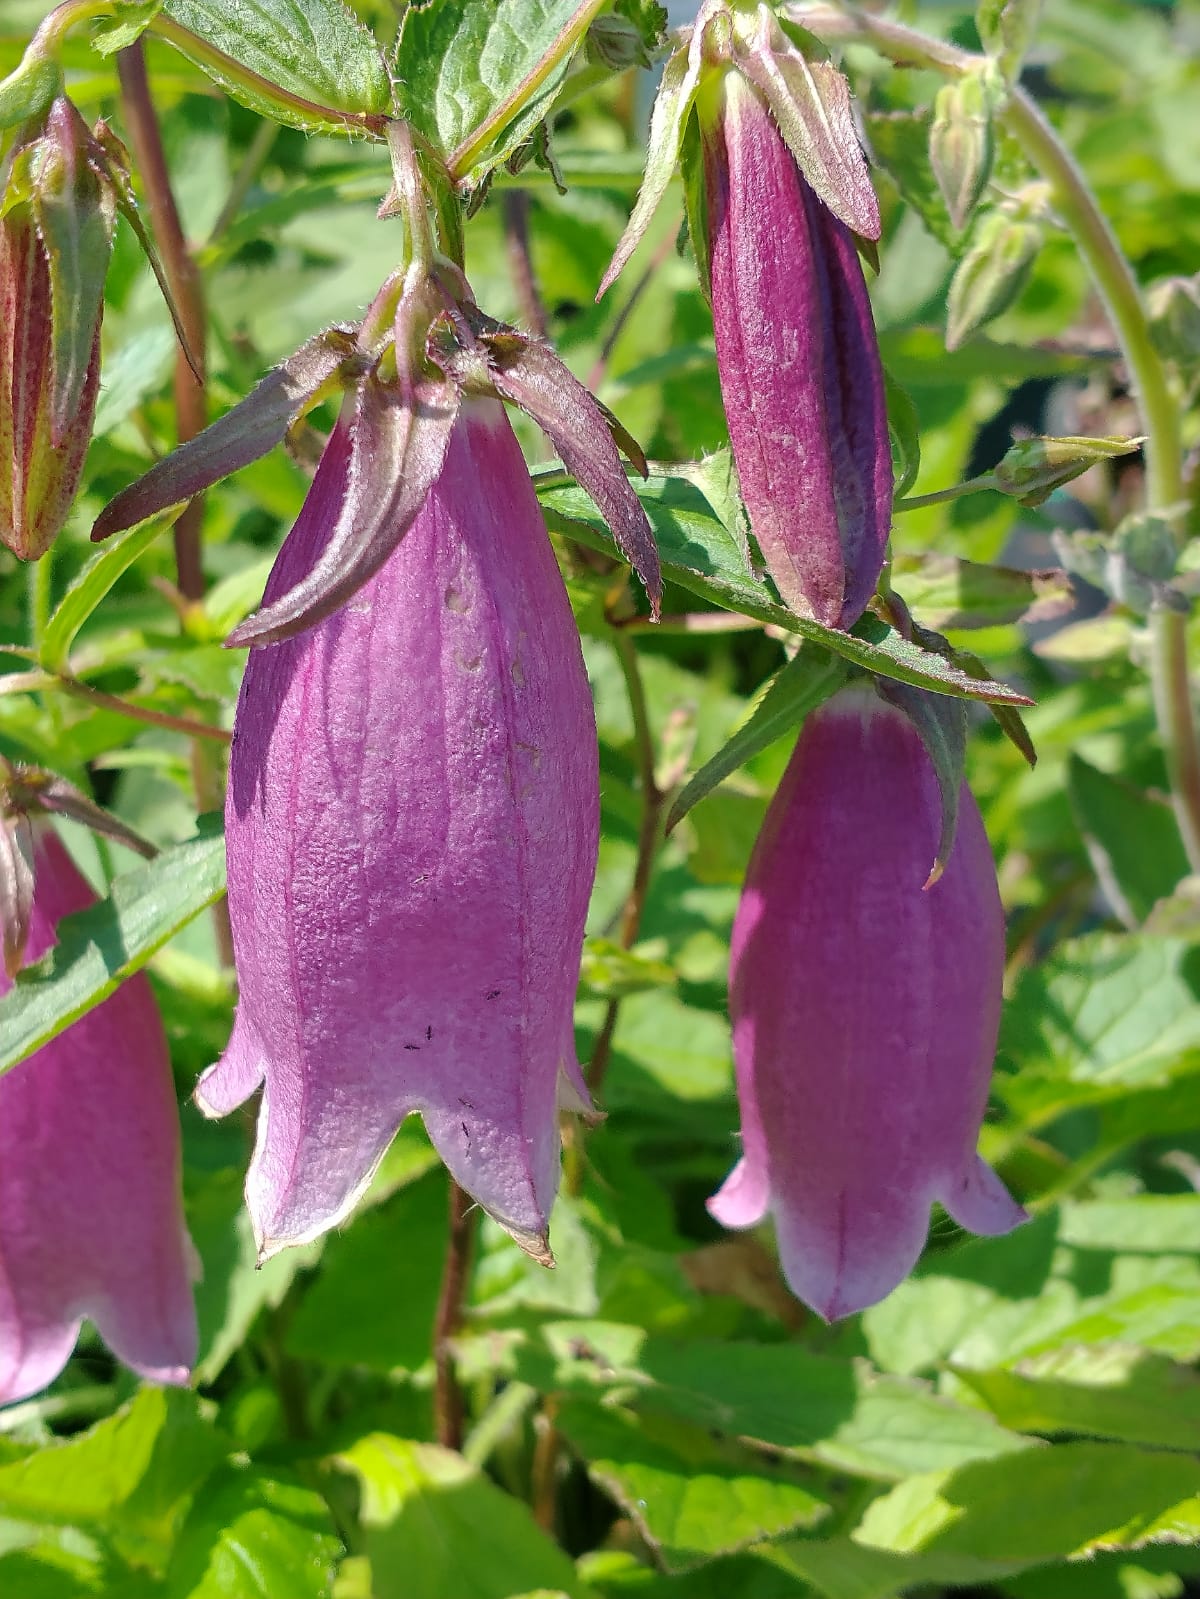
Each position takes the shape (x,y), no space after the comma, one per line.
(241,436)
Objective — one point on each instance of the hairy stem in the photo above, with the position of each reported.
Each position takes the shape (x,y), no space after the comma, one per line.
(449,1411)
(1117,287)
(191,399)
(183,278)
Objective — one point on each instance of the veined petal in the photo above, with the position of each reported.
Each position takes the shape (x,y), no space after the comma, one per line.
(412,827)
(865,1010)
(91,1221)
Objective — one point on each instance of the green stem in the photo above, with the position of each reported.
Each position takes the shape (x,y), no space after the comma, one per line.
(956,491)
(1117,287)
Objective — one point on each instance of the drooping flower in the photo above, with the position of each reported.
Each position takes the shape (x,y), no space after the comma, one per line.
(412,827)
(798,358)
(91,1219)
(865,1011)
(54,249)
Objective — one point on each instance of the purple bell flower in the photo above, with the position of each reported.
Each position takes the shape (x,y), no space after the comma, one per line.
(799,365)
(412,828)
(865,1011)
(91,1220)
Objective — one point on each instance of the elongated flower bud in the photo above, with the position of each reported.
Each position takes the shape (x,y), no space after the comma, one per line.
(799,364)
(865,1011)
(54,250)
(91,1222)
(412,828)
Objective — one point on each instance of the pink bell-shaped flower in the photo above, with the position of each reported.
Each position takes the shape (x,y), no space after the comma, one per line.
(801,377)
(91,1220)
(412,827)
(865,1011)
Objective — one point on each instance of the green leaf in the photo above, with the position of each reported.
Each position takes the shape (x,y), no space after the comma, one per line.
(100,947)
(477,79)
(360,1310)
(87,590)
(944,591)
(995,1516)
(131,1470)
(1099,1016)
(234,1287)
(700,553)
(299,62)
(904,426)
(837,1413)
(1132,840)
(1109,1390)
(250,1536)
(804,683)
(436,1528)
(689,1496)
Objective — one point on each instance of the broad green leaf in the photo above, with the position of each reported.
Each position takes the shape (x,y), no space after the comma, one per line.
(436,1528)
(1132,839)
(691,1497)
(804,683)
(131,1470)
(100,947)
(1102,1272)
(1041,1504)
(700,553)
(1100,1015)
(86,592)
(298,61)
(233,1288)
(1108,1390)
(250,1536)
(944,591)
(477,79)
(362,1309)
(838,1413)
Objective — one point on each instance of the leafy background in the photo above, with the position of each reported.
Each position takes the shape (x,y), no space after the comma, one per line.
(658,1416)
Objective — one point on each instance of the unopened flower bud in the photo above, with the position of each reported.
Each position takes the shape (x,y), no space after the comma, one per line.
(91,1220)
(962,140)
(990,276)
(865,1009)
(54,250)
(799,364)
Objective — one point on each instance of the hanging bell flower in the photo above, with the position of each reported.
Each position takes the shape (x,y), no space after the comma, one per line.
(91,1219)
(865,999)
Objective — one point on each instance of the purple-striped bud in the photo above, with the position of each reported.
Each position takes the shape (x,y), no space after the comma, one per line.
(412,827)
(865,1011)
(54,250)
(799,364)
(91,1220)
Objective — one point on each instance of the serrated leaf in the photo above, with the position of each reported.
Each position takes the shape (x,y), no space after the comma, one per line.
(250,1536)
(477,79)
(804,683)
(1132,840)
(1098,1016)
(1039,1505)
(132,1469)
(436,1528)
(700,553)
(944,591)
(691,1498)
(99,947)
(1109,1390)
(297,61)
